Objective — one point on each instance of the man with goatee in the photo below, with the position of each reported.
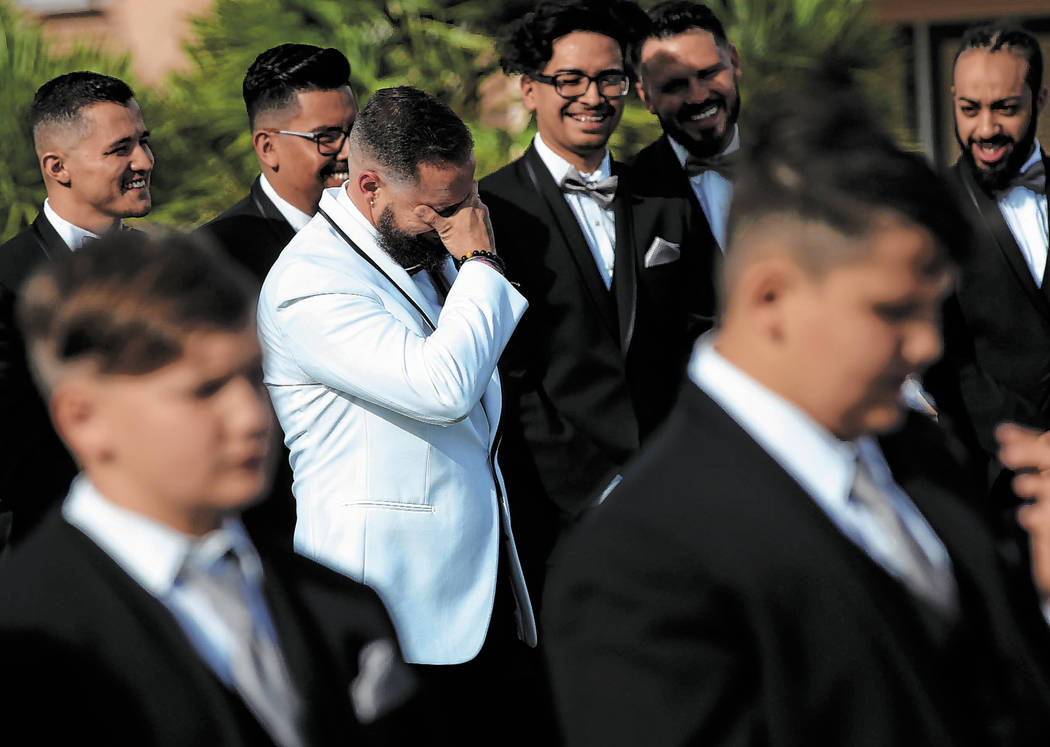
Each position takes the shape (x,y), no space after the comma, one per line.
(997,325)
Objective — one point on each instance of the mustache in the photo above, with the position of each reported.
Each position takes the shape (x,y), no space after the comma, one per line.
(995,140)
(602,108)
(333,167)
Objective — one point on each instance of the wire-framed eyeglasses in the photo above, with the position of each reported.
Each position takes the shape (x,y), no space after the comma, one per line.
(611,84)
(329,142)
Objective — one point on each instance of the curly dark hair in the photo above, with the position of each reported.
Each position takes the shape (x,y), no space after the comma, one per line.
(526,44)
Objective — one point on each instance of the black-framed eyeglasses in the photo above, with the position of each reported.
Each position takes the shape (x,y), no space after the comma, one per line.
(571,85)
(329,142)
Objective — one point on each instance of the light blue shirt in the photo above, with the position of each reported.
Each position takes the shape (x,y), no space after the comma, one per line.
(1025,212)
(822,465)
(73,235)
(713,191)
(597,223)
(153,554)
(296,218)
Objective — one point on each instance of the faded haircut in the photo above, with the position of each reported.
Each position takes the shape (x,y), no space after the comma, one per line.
(126,303)
(61,100)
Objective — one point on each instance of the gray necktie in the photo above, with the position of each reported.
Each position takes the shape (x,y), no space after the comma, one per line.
(603,191)
(259,671)
(923,577)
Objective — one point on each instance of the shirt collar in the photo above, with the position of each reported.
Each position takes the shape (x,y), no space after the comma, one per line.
(681,153)
(148,551)
(822,464)
(1037,154)
(296,218)
(558,166)
(72,235)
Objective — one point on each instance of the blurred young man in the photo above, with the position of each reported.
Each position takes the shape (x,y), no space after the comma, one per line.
(791,562)
(144,614)
(597,362)
(688,77)
(300,111)
(95,158)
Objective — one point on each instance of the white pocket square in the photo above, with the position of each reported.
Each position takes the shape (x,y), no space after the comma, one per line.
(662,252)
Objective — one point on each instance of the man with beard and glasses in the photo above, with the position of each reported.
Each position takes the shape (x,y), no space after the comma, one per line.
(94,154)
(997,325)
(597,362)
(381,323)
(688,77)
(300,111)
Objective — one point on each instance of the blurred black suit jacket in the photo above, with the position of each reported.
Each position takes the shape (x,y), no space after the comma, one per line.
(710,601)
(589,372)
(87,652)
(254,233)
(35,467)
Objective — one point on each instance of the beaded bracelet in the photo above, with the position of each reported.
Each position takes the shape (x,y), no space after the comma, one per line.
(493,259)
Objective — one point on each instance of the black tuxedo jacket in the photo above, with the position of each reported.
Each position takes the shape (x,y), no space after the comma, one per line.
(253,232)
(589,372)
(658,174)
(996,363)
(709,601)
(87,652)
(35,468)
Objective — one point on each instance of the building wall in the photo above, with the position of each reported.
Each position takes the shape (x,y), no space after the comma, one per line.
(151,31)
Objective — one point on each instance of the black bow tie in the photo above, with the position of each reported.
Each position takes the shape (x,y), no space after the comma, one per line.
(723,163)
(1033,178)
(603,191)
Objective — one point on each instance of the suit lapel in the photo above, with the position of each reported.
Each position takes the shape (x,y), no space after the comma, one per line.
(334,212)
(625,273)
(700,229)
(564,223)
(51,244)
(992,218)
(265,207)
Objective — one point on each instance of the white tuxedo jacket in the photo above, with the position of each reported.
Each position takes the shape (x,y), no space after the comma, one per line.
(391,414)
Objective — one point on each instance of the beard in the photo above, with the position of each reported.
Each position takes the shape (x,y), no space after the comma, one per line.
(409,250)
(334,173)
(997,177)
(712,144)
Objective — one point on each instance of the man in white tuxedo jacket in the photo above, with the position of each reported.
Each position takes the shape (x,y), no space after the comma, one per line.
(381,344)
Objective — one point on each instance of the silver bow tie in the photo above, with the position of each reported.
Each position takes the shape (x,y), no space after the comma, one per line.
(603,191)
(721,163)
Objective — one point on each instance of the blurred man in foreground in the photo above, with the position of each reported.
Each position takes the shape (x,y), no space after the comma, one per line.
(791,562)
(144,613)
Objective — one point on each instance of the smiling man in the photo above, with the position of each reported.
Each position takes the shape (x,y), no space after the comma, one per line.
(791,560)
(300,111)
(95,158)
(997,325)
(596,363)
(688,77)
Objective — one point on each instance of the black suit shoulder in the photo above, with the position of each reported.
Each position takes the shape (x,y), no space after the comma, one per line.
(253,232)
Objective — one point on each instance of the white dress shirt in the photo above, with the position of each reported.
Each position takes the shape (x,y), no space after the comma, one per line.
(1025,213)
(823,465)
(296,218)
(153,554)
(597,223)
(73,235)
(713,191)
